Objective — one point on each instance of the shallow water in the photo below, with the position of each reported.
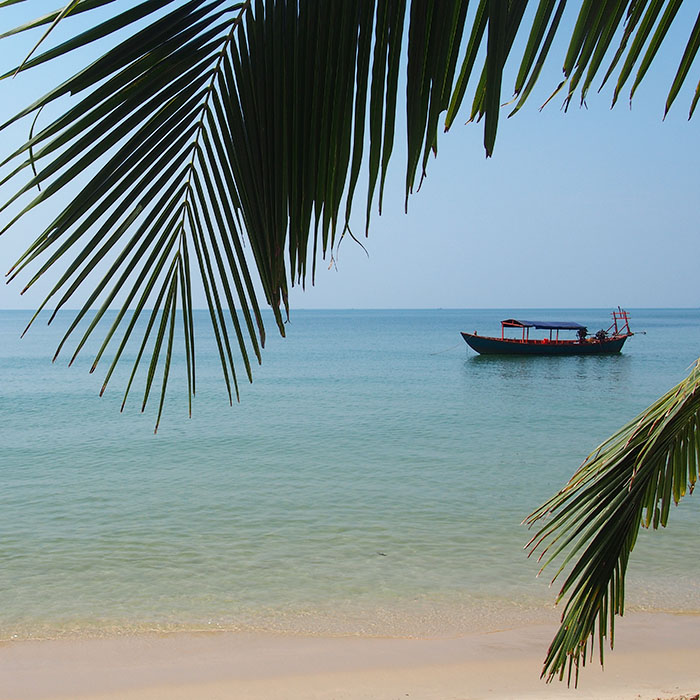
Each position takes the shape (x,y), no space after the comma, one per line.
(371,481)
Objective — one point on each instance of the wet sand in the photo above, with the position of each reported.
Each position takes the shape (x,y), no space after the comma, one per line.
(656,656)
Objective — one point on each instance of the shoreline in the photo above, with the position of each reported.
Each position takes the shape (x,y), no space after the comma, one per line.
(655,656)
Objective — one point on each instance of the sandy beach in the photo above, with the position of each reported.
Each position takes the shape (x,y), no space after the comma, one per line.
(656,656)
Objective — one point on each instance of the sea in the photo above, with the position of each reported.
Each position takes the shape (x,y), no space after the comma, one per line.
(371,481)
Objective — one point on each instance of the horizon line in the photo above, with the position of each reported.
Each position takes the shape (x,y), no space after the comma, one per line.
(385,308)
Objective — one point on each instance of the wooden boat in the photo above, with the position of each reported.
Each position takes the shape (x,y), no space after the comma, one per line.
(604,342)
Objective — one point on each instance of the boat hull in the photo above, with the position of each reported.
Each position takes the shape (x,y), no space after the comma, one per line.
(505,346)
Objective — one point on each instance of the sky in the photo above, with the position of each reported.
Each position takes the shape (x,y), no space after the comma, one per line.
(589,208)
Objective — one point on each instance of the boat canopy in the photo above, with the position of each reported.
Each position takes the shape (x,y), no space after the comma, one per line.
(546,325)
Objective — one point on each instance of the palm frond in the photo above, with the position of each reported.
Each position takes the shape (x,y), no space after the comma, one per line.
(216,125)
(630,481)
(233,134)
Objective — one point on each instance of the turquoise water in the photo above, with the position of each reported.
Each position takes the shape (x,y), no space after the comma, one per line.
(371,481)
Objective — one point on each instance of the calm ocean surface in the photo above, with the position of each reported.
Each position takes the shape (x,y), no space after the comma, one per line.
(371,481)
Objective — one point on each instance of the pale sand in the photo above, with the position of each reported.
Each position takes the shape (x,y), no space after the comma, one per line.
(656,656)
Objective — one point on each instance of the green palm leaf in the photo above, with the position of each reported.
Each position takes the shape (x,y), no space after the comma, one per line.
(232,135)
(629,482)
(219,124)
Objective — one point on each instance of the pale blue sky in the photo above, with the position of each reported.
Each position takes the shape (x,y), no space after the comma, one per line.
(592,208)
